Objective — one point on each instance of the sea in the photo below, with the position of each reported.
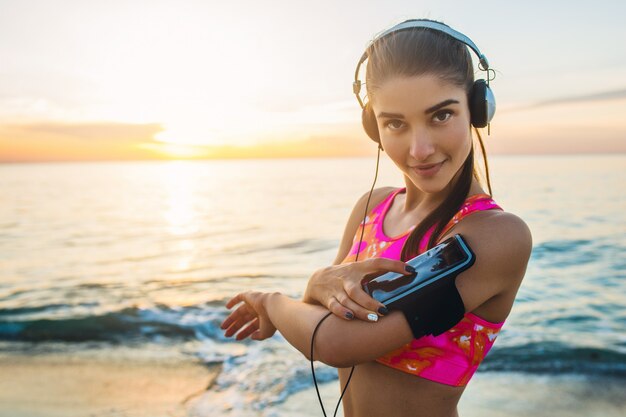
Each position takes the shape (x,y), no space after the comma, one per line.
(144,255)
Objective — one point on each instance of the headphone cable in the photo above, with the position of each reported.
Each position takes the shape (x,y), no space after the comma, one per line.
(328,315)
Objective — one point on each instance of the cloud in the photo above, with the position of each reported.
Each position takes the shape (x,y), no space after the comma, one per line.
(99,131)
(605,95)
(602,96)
(53,141)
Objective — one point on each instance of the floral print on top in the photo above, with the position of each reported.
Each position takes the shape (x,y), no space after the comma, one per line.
(452,357)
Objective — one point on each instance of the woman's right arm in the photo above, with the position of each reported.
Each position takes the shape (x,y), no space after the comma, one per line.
(339,342)
(501,242)
(338,287)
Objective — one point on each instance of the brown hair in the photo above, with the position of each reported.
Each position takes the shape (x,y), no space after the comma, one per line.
(420,51)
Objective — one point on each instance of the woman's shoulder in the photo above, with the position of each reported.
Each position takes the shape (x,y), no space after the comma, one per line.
(497,227)
(500,222)
(378,195)
(501,240)
(356,217)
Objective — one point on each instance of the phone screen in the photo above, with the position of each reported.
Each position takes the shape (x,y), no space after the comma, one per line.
(448,257)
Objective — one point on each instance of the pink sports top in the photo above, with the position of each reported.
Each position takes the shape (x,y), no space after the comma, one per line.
(452,357)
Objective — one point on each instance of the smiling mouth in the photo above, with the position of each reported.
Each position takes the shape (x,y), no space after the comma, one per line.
(429,170)
(428,166)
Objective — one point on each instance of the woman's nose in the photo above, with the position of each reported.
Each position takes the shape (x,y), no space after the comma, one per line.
(422,145)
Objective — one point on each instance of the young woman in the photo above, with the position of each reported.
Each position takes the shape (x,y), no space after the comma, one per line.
(420,89)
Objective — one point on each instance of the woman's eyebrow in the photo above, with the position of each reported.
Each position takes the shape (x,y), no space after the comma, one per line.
(440,105)
(427,111)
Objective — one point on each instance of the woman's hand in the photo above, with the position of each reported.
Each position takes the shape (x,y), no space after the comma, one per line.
(253,313)
(339,287)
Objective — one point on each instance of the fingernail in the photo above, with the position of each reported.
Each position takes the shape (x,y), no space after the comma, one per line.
(349,315)
(383,310)
(372,317)
(409,268)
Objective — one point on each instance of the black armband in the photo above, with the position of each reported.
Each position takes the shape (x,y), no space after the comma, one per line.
(428,298)
(433,309)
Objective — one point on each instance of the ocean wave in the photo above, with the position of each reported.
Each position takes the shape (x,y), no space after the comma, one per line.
(556,358)
(201,323)
(131,323)
(577,252)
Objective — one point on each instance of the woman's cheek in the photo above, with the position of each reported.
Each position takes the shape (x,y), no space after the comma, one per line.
(459,137)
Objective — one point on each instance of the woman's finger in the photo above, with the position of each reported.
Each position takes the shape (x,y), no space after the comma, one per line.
(234,301)
(248,330)
(245,315)
(228,321)
(237,319)
(339,309)
(381,265)
(234,316)
(366,304)
(235,327)
(359,311)
(238,324)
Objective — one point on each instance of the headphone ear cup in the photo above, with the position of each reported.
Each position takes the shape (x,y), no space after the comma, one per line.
(482,104)
(478,106)
(368,118)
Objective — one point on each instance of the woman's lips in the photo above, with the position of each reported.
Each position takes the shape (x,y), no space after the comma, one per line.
(429,171)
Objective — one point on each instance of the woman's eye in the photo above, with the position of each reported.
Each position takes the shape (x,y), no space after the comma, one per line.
(394,124)
(443,115)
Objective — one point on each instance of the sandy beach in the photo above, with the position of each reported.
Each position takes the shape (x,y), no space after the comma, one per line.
(133,385)
(92,385)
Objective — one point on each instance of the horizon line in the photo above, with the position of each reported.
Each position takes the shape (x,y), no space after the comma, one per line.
(242,158)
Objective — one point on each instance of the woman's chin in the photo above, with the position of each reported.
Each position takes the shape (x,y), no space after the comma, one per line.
(432,185)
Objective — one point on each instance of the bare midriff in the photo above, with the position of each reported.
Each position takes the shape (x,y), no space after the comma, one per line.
(377,390)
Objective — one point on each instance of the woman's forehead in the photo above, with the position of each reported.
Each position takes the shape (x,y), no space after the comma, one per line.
(415,92)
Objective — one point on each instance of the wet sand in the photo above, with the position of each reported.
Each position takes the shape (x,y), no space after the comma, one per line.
(69,386)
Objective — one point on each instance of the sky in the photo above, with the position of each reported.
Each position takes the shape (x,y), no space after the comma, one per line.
(132,80)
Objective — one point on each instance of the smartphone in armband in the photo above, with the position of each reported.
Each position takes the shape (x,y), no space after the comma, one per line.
(439,264)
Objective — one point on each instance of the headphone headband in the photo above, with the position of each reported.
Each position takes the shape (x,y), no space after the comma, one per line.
(418,23)
(429,24)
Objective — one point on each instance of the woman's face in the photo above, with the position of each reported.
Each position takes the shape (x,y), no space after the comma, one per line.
(424,122)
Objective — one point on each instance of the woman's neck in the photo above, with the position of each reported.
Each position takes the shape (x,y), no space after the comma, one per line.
(418,201)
